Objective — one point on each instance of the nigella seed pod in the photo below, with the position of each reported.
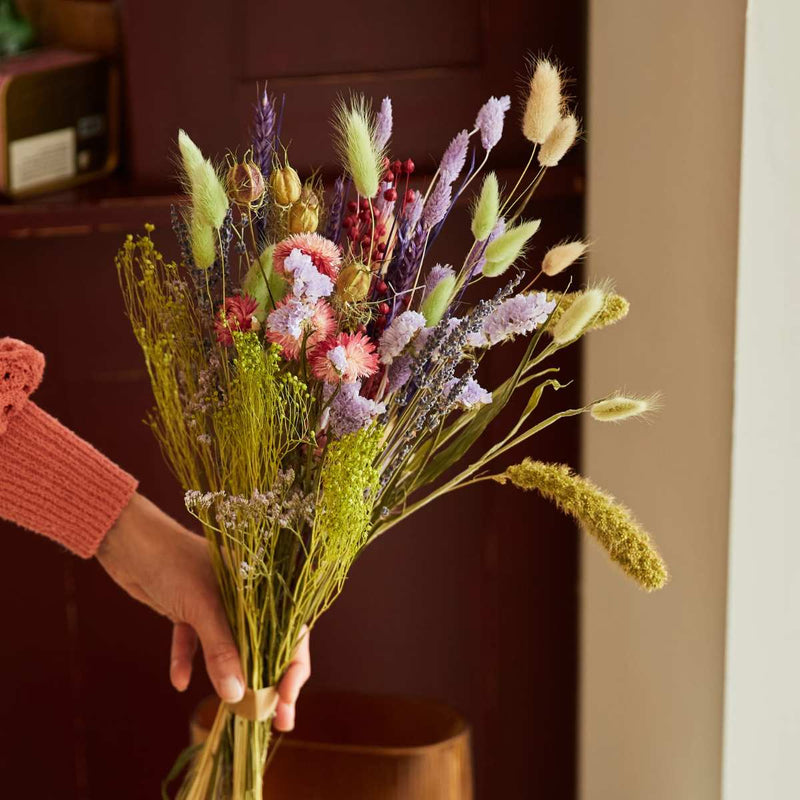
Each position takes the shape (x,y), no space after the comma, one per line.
(285,185)
(245,183)
(304,214)
(353,282)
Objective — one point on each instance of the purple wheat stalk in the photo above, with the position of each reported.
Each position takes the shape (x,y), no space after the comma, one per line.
(406,268)
(264,134)
(334,226)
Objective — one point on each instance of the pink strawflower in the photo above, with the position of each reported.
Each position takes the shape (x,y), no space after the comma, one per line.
(292,319)
(346,357)
(324,254)
(238,315)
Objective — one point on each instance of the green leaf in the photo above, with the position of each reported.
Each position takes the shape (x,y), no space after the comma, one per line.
(485,414)
(535,398)
(180,764)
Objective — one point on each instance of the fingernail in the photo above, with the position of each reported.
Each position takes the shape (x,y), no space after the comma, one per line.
(290,719)
(231,689)
(180,682)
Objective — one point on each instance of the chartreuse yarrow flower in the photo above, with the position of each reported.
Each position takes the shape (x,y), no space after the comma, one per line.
(603,518)
(349,483)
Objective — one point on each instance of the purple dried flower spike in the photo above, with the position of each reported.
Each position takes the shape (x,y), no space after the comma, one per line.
(454,157)
(436,275)
(490,120)
(437,204)
(264,134)
(383,124)
(440,199)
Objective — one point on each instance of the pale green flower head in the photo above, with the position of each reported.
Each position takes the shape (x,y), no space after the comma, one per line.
(354,126)
(619,407)
(208,196)
(437,301)
(507,248)
(579,316)
(487,208)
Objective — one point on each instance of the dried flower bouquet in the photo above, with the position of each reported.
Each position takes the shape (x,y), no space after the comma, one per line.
(316,377)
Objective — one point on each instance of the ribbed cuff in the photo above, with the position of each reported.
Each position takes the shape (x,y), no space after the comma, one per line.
(55,483)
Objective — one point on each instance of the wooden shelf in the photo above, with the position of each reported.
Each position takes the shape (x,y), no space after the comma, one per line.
(103,206)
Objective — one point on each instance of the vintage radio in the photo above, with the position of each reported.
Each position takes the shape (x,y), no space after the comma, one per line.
(59,120)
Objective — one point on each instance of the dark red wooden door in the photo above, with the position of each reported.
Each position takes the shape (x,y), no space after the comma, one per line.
(472,602)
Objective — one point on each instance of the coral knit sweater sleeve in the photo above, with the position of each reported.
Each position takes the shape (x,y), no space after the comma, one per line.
(51,481)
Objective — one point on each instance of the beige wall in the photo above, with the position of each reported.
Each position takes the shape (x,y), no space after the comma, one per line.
(664,149)
(762,701)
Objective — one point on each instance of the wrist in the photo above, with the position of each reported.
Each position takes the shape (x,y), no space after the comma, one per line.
(118,534)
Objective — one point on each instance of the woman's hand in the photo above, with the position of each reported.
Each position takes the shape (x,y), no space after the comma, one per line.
(163,565)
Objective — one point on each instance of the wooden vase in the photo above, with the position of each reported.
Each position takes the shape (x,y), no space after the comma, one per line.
(349,746)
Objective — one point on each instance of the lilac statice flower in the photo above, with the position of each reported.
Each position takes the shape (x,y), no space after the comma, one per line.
(399,333)
(471,393)
(436,275)
(437,204)
(399,372)
(490,120)
(454,158)
(306,280)
(383,124)
(350,412)
(480,257)
(289,317)
(515,316)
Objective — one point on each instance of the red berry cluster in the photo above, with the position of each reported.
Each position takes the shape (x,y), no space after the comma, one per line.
(369,242)
(394,171)
(369,239)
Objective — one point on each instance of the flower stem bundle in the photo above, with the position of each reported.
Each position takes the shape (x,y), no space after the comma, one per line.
(312,391)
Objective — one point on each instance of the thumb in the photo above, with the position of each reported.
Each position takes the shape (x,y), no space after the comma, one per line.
(219,651)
